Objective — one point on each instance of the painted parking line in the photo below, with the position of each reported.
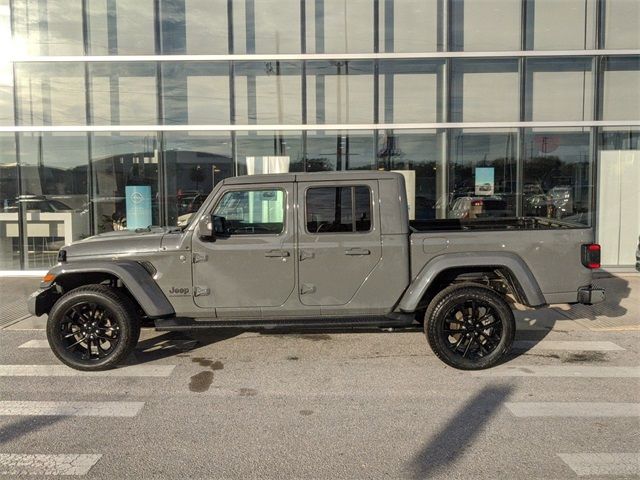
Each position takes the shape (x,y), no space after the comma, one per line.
(563,345)
(64,371)
(71,409)
(622,464)
(35,344)
(560,371)
(573,409)
(40,464)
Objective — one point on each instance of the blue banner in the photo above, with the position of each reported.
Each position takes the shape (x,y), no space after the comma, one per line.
(138,206)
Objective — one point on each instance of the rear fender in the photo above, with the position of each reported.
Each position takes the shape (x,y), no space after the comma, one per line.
(521,276)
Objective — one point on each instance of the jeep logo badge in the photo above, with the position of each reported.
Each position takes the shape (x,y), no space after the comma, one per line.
(178,291)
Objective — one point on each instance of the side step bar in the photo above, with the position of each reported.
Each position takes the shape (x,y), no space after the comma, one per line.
(181,324)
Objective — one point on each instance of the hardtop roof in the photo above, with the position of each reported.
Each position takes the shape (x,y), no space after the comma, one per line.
(353,175)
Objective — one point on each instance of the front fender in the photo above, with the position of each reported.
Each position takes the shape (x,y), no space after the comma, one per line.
(522,276)
(134,277)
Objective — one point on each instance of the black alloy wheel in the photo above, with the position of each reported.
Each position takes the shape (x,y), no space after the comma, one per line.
(469,326)
(94,327)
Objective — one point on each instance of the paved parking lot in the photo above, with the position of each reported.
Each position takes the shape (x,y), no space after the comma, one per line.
(326,405)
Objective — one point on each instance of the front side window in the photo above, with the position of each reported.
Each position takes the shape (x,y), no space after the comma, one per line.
(252,211)
(338,209)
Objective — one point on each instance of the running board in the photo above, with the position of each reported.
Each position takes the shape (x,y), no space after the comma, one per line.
(179,324)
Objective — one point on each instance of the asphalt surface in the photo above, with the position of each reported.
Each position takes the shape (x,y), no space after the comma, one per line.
(324,405)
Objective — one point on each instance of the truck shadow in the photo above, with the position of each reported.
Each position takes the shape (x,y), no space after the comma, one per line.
(453,440)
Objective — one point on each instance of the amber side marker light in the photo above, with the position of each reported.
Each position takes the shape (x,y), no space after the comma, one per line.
(591,255)
(48,278)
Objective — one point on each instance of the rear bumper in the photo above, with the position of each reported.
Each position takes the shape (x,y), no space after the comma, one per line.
(590,294)
(41,301)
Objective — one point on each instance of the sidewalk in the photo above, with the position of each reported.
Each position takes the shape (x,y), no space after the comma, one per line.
(620,311)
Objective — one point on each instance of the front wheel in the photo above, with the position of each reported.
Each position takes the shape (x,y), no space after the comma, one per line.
(469,327)
(93,328)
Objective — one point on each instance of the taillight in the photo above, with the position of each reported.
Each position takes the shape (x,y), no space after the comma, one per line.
(591,255)
(477,203)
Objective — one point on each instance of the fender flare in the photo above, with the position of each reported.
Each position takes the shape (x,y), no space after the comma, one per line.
(524,280)
(133,276)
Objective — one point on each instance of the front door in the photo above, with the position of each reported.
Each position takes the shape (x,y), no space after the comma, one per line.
(339,240)
(252,264)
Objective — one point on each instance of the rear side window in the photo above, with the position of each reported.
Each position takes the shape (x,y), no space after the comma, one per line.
(338,209)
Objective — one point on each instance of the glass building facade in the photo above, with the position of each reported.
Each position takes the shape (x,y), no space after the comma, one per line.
(489,108)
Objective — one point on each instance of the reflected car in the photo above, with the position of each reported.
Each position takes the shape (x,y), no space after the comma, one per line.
(479,207)
(485,187)
(39,203)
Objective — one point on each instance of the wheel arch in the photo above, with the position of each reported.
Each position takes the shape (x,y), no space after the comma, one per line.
(442,270)
(136,282)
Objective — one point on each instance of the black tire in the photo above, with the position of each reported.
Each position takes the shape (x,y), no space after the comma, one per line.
(94,327)
(469,326)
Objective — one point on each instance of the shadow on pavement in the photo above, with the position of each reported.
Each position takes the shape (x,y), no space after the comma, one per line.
(456,437)
(25,426)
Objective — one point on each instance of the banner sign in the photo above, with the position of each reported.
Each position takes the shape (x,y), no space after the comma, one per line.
(138,198)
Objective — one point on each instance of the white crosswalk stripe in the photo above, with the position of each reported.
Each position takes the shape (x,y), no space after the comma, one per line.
(40,464)
(73,409)
(564,345)
(35,344)
(573,409)
(622,464)
(577,371)
(64,371)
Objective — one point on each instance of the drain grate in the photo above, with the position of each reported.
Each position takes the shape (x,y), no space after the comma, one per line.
(13,312)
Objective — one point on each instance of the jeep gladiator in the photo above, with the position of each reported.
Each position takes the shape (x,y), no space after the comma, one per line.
(314,250)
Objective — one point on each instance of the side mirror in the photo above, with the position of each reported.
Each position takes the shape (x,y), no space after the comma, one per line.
(212,226)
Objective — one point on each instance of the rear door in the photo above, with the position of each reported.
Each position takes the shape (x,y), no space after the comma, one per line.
(339,240)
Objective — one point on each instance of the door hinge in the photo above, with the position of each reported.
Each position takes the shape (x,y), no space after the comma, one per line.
(200,291)
(200,257)
(307,288)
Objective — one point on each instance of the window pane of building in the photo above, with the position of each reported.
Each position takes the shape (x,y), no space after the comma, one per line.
(10,246)
(411,91)
(622,24)
(194,162)
(559,89)
(411,26)
(266,26)
(269,152)
(195,27)
(560,25)
(418,156)
(485,90)
(123,93)
(121,28)
(621,88)
(48,28)
(340,26)
(330,150)
(195,93)
(6,66)
(557,174)
(268,92)
(124,163)
(51,94)
(618,215)
(54,180)
(485,25)
(340,91)
(482,174)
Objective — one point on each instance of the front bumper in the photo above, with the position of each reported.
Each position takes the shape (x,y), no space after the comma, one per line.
(41,301)
(591,294)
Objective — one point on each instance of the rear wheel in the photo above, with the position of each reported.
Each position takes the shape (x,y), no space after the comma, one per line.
(93,328)
(469,327)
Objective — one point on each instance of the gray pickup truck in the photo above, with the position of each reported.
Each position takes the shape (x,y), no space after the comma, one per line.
(319,250)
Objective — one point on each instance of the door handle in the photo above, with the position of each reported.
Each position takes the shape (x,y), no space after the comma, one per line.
(357,251)
(276,253)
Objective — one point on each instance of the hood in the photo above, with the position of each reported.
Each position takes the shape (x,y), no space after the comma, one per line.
(121,243)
